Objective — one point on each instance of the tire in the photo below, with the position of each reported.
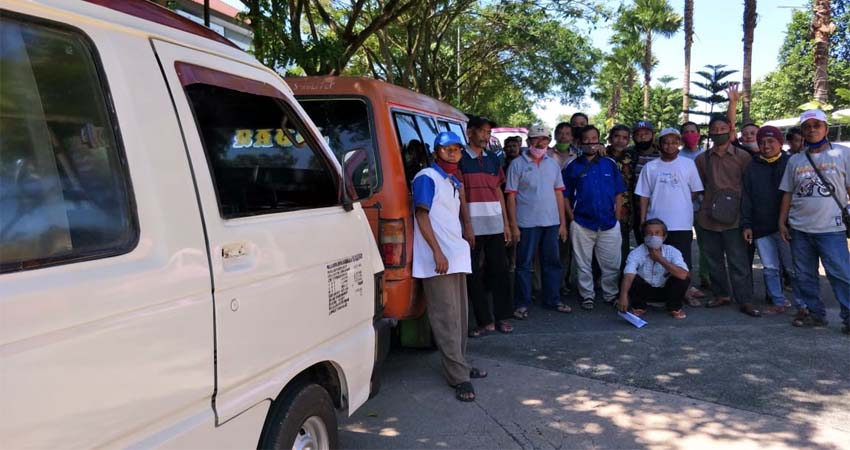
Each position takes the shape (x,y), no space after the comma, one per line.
(303,418)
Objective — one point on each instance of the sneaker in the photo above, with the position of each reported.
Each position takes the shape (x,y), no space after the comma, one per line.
(587,304)
(810,321)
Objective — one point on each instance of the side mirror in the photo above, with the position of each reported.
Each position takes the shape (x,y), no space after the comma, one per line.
(356,174)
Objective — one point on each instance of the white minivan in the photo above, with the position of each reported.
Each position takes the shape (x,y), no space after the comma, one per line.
(181,261)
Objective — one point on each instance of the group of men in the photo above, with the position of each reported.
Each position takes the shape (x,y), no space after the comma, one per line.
(564,214)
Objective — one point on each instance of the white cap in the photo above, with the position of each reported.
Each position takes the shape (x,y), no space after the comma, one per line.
(667,131)
(539,130)
(813,114)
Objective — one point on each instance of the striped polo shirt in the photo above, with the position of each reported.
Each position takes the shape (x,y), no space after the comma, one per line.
(482,179)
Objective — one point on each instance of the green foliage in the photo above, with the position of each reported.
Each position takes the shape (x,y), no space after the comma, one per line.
(664,110)
(505,64)
(782,92)
(714,85)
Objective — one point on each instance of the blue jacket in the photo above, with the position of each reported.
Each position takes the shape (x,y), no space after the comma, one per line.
(591,187)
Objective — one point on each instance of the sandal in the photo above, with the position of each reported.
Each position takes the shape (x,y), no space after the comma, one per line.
(478,332)
(562,308)
(638,312)
(504,327)
(678,314)
(774,309)
(587,304)
(464,392)
(750,310)
(695,293)
(521,313)
(477,373)
(693,302)
(718,301)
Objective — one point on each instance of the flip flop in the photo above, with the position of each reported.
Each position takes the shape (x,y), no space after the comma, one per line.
(521,313)
(562,308)
(478,332)
(464,392)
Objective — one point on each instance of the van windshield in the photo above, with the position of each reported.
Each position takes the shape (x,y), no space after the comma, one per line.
(345,126)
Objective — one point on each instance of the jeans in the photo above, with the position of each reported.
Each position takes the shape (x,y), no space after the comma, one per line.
(776,254)
(605,245)
(491,276)
(729,247)
(831,248)
(532,240)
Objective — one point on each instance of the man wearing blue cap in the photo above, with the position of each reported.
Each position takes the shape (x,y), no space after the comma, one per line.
(441,259)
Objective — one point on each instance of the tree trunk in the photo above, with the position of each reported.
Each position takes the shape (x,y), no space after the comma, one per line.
(647,71)
(614,104)
(689,40)
(749,29)
(822,26)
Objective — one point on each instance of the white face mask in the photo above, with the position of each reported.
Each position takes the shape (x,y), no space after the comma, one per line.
(653,242)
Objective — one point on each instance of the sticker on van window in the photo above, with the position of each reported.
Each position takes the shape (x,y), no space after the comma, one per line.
(344,278)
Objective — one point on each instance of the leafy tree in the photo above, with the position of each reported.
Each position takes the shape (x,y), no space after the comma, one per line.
(504,64)
(783,91)
(316,36)
(651,17)
(713,84)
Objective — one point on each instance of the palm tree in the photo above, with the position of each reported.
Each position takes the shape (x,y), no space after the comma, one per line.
(749,29)
(822,26)
(689,40)
(652,17)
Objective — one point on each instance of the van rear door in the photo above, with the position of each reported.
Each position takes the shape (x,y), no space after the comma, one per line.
(290,265)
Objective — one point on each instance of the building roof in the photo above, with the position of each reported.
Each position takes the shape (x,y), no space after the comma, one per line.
(220,7)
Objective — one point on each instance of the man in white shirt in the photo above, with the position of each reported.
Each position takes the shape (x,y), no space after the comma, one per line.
(667,187)
(654,272)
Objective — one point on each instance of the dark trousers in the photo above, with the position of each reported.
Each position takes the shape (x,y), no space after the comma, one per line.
(728,247)
(681,241)
(490,273)
(625,246)
(672,293)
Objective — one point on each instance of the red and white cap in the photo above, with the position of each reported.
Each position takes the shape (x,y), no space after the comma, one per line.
(813,114)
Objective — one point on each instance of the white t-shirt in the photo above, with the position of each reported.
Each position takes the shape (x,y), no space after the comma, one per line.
(669,185)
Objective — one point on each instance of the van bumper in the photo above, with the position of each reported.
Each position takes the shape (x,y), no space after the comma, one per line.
(383,328)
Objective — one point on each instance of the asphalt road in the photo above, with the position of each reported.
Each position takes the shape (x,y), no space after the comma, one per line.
(718,379)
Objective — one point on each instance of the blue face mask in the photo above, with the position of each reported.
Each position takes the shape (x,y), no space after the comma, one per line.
(653,242)
(816,144)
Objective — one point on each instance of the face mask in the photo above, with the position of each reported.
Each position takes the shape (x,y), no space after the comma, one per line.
(690,139)
(641,146)
(562,147)
(653,242)
(719,139)
(753,148)
(816,144)
(449,168)
(537,153)
(576,132)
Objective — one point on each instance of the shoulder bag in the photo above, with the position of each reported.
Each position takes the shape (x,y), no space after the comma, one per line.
(844,208)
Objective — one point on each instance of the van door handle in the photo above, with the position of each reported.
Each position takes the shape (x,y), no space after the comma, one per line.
(234,251)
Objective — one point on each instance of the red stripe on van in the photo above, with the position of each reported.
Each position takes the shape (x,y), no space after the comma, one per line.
(147,10)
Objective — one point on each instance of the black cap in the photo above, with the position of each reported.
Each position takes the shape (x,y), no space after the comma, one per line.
(480,121)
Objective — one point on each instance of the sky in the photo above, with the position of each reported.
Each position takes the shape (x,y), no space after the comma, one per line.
(718,39)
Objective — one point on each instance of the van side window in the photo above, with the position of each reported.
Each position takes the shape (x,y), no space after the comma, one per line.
(457,129)
(257,152)
(64,188)
(413,150)
(345,126)
(444,126)
(428,130)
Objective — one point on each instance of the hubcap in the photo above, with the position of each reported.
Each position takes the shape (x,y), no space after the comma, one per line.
(313,435)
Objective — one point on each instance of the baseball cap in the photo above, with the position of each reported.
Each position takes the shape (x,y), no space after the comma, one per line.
(668,131)
(770,131)
(539,130)
(813,114)
(480,121)
(446,138)
(643,124)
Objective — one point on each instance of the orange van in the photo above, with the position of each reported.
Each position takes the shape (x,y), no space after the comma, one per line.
(397,127)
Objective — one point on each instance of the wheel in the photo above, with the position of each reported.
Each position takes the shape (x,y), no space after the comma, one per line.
(303,419)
